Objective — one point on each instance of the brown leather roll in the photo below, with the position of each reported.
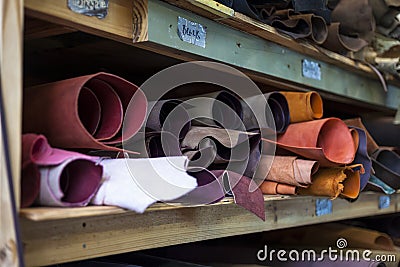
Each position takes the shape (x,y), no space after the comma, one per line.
(67,112)
(341,43)
(304,106)
(372,146)
(332,182)
(327,141)
(274,188)
(287,170)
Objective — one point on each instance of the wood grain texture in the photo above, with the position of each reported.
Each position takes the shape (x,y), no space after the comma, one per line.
(62,240)
(116,26)
(140,21)
(11,20)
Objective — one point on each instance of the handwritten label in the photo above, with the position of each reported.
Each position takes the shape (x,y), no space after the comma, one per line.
(97,8)
(191,32)
(384,202)
(311,69)
(323,206)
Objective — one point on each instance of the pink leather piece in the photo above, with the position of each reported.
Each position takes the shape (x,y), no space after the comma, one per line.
(56,177)
(327,141)
(55,110)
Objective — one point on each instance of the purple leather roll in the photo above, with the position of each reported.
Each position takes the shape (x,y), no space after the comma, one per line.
(56,177)
(362,157)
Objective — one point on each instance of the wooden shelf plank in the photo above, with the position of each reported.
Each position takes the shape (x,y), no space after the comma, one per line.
(117,231)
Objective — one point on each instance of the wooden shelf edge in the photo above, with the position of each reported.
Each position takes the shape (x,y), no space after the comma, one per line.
(65,240)
(209,9)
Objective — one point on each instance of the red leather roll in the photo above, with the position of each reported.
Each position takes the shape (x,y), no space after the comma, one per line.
(327,141)
(85,112)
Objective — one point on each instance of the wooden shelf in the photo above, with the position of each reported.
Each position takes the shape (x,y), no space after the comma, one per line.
(57,235)
(154,27)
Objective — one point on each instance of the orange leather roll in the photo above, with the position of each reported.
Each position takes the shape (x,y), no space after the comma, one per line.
(304,106)
(274,188)
(327,141)
(334,182)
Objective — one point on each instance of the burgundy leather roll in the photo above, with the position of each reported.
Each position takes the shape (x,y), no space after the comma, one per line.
(85,112)
(274,188)
(372,146)
(178,121)
(332,182)
(304,106)
(327,141)
(56,177)
(277,110)
(287,170)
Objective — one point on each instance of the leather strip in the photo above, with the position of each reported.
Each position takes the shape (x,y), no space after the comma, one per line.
(326,141)
(375,184)
(304,106)
(58,106)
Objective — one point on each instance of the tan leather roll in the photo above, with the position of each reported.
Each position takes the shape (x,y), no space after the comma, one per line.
(334,182)
(274,188)
(304,106)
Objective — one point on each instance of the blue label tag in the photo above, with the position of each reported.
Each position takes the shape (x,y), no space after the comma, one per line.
(323,206)
(384,202)
(311,69)
(97,8)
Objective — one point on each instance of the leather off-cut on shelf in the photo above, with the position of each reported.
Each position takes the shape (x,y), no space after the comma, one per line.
(87,112)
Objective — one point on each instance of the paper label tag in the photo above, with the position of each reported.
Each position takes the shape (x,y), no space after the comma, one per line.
(323,206)
(311,69)
(384,202)
(97,8)
(192,32)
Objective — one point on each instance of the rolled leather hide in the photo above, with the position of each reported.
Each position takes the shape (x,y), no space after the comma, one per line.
(334,182)
(85,112)
(327,141)
(56,177)
(304,106)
